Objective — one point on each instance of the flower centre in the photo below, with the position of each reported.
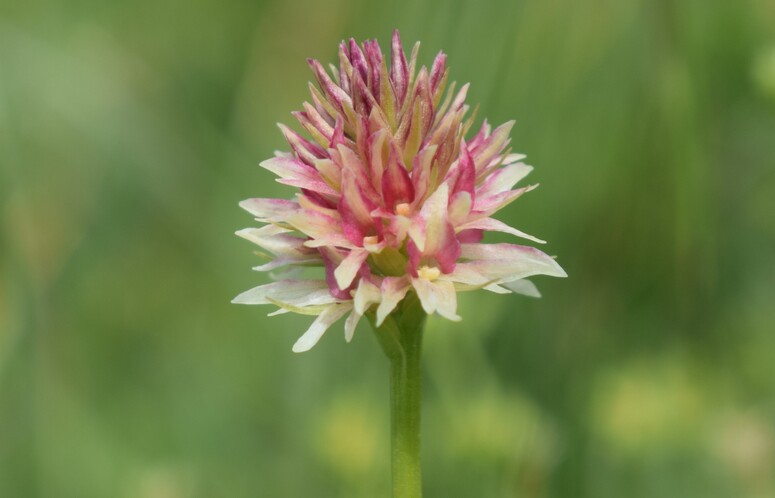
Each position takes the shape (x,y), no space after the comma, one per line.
(403,209)
(429,273)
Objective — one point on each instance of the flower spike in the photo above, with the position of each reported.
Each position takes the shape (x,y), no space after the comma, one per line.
(392,199)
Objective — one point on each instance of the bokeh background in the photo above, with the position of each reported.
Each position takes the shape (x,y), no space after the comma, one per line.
(130,130)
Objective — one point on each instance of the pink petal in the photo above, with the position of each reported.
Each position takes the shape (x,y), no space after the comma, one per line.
(421,171)
(492,146)
(463,174)
(295,173)
(355,211)
(480,137)
(304,149)
(396,185)
(337,136)
(374,56)
(345,68)
(335,94)
(359,60)
(470,236)
(399,72)
(437,70)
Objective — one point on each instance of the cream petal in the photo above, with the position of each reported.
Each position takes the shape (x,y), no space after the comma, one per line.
(315,225)
(459,208)
(348,268)
(365,295)
(433,228)
(322,323)
(283,308)
(393,291)
(330,172)
(438,296)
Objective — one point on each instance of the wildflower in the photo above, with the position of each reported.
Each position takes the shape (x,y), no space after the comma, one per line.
(392,199)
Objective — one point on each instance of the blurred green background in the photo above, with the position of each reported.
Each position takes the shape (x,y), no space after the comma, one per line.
(130,130)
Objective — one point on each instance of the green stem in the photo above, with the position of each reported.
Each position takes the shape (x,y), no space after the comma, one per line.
(401,339)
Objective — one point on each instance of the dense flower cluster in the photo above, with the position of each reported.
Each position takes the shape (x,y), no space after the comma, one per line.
(391,197)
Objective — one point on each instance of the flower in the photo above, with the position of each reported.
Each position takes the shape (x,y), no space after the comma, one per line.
(392,198)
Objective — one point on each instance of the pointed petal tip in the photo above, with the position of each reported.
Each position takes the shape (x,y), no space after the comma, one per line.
(303,348)
(238,300)
(558,272)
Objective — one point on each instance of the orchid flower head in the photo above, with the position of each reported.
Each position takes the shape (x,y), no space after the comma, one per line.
(391,198)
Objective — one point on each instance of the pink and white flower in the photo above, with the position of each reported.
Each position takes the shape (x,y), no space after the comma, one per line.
(391,197)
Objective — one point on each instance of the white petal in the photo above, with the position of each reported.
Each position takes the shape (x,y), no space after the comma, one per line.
(512,158)
(503,179)
(287,248)
(487,206)
(393,291)
(350,324)
(327,318)
(524,287)
(348,268)
(466,278)
(493,225)
(508,262)
(306,260)
(284,290)
(330,240)
(270,210)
